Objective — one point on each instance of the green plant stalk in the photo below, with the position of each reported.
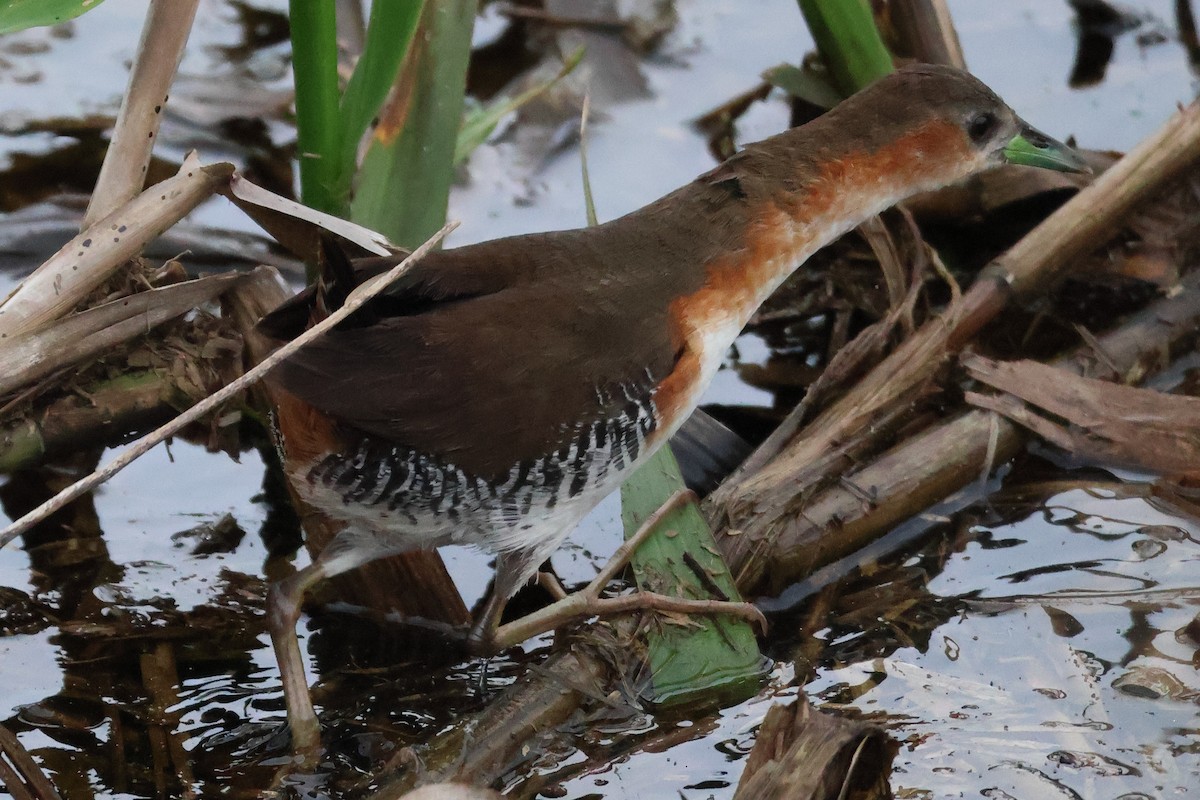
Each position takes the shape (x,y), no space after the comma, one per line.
(589,202)
(314,65)
(389,35)
(848,41)
(404,182)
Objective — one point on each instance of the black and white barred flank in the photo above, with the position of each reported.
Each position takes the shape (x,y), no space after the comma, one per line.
(416,486)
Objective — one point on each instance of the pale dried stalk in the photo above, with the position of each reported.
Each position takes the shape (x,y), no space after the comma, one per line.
(20,773)
(927,31)
(783,542)
(168,23)
(100,329)
(86,261)
(356,299)
(277,215)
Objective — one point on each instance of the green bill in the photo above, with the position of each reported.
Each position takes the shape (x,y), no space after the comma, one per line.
(1032,148)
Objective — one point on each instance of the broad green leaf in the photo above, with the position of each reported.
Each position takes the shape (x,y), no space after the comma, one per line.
(17,15)
(702,657)
(404,181)
(389,36)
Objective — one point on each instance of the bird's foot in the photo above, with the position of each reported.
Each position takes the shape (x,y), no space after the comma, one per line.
(283,612)
(550,583)
(652,601)
(587,602)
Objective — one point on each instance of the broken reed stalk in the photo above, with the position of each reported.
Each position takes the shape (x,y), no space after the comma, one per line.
(1086,221)
(121,218)
(782,544)
(925,31)
(1093,419)
(100,329)
(356,299)
(20,774)
(416,583)
(123,173)
(801,753)
(112,408)
(482,747)
(85,262)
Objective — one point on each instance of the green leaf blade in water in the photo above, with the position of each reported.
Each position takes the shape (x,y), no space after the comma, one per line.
(17,15)
(709,658)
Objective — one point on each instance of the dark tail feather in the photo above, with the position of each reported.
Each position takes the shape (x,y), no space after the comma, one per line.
(314,303)
(336,281)
(291,318)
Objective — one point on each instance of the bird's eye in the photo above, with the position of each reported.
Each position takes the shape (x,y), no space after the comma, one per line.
(980,126)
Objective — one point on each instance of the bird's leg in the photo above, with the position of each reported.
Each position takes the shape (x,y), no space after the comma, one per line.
(283,611)
(587,602)
(284,597)
(481,639)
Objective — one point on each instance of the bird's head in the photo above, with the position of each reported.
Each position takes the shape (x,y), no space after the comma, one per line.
(991,132)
